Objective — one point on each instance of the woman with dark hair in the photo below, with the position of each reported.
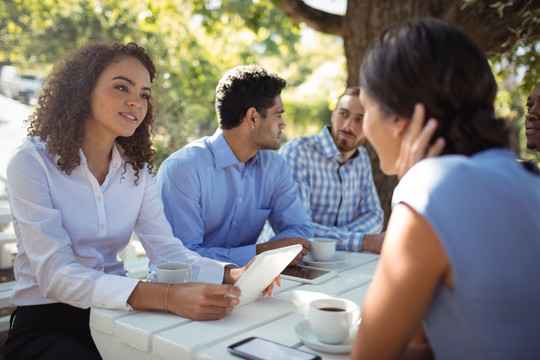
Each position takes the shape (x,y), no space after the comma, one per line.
(78,187)
(460,256)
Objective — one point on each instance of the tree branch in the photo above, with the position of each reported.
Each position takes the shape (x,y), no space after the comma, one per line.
(319,20)
(496,26)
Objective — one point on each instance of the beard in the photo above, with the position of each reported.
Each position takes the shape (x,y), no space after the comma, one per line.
(344,145)
(269,143)
(533,145)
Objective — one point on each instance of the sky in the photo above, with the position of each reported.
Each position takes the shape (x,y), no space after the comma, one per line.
(332,6)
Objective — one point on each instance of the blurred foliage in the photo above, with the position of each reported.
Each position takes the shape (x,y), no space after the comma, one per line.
(194,43)
(517,72)
(522,62)
(302,117)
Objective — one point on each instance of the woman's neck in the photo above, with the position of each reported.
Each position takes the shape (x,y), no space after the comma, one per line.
(98,157)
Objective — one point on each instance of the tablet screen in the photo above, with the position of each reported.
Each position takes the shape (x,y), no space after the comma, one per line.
(304,272)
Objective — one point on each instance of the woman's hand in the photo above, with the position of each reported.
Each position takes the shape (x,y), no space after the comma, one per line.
(196,301)
(269,291)
(415,144)
(202,301)
(233,274)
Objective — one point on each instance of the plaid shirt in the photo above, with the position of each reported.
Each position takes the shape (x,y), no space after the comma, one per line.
(340,198)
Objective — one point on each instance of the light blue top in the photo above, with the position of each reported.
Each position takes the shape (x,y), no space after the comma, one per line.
(485,211)
(218,205)
(339,197)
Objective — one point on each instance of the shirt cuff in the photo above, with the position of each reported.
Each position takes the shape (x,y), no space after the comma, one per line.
(210,271)
(113,292)
(355,243)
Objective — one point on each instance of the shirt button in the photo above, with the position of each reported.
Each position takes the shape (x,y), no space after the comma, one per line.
(99,198)
(102,226)
(235,223)
(100,268)
(240,200)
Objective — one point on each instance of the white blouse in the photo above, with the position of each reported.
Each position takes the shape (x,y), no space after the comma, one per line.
(70,230)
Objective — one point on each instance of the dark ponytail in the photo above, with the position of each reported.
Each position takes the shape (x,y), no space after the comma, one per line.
(431,62)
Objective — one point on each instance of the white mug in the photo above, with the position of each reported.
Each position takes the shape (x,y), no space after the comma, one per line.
(332,319)
(322,249)
(171,272)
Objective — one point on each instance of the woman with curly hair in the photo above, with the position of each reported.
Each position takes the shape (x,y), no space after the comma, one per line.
(460,256)
(78,187)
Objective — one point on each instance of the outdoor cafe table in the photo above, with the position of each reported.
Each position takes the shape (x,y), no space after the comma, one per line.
(138,335)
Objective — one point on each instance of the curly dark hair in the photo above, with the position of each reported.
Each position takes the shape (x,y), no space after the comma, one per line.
(432,62)
(65,104)
(243,87)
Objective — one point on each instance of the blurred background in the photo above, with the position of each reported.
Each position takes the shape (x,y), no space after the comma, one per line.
(315,45)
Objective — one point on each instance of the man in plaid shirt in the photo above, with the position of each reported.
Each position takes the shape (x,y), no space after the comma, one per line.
(333,175)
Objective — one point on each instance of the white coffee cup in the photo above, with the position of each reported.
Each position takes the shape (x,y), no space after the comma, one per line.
(331,320)
(322,249)
(171,272)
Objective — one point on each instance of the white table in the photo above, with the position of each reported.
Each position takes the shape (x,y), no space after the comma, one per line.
(155,335)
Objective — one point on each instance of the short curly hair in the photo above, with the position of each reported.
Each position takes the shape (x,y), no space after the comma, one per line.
(243,87)
(65,104)
(429,61)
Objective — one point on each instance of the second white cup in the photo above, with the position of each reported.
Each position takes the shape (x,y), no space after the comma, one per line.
(171,272)
(331,320)
(322,249)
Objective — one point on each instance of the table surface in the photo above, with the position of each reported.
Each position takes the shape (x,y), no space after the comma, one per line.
(156,335)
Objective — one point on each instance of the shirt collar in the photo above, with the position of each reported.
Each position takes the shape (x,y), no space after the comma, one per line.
(223,153)
(117,158)
(328,146)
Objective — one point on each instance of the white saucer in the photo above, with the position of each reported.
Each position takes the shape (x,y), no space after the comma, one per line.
(338,259)
(308,338)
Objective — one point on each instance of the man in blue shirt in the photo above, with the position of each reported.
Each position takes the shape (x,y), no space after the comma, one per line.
(218,191)
(333,174)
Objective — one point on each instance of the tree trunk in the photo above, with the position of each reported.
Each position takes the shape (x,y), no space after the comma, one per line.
(494,24)
(362,23)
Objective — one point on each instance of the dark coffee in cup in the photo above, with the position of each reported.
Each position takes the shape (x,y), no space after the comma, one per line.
(331,319)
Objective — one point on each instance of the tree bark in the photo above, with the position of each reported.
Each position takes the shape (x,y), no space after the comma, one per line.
(494,25)
(317,19)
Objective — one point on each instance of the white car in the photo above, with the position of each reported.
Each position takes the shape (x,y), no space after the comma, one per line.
(26,88)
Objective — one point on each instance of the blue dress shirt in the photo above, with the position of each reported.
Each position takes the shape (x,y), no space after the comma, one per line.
(218,205)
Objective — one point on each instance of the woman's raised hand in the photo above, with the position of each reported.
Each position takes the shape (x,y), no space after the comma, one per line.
(415,144)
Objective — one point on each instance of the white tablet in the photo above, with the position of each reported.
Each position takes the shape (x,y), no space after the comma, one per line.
(307,274)
(266,267)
